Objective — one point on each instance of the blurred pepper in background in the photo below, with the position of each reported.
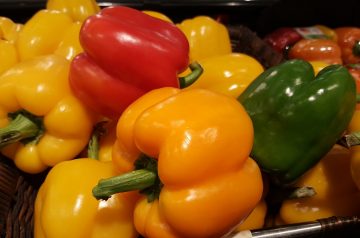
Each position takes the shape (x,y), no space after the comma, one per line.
(348,38)
(324,50)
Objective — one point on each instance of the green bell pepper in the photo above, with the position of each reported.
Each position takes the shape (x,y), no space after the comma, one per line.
(297,117)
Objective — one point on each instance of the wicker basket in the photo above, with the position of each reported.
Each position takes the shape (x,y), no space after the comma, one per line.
(17,197)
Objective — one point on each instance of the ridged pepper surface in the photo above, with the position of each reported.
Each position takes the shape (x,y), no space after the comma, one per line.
(191,151)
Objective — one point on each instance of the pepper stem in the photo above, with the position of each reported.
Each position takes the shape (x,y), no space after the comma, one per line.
(196,71)
(143,178)
(22,126)
(356,48)
(93,146)
(134,180)
(350,140)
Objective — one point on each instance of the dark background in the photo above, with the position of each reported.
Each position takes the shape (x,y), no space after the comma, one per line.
(262,16)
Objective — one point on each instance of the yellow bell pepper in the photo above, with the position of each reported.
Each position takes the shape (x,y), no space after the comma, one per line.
(206,37)
(65,207)
(8,35)
(106,141)
(229,74)
(336,193)
(330,33)
(318,66)
(158,15)
(70,45)
(256,219)
(78,10)
(41,121)
(39,36)
(205,183)
(354,126)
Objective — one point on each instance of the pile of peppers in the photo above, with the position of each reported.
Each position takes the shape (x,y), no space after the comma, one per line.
(174,134)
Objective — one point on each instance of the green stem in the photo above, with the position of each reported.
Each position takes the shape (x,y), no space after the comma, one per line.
(20,128)
(196,71)
(358,98)
(93,146)
(134,180)
(356,48)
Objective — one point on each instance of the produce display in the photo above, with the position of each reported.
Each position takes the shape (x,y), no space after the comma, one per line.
(143,127)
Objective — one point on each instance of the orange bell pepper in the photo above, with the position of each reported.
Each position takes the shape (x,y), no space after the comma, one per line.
(316,50)
(194,163)
(348,38)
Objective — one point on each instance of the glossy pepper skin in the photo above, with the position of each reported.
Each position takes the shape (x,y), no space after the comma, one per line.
(229,74)
(60,125)
(334,196)
(127,53)
(348,38)
(9,31)
(202,144)
(297,117)
(207,37)
(39,36)
(324,50)
(65,207)
(78,10)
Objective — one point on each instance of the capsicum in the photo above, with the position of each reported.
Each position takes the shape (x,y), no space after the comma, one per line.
(324,50)
(207,37)
(9,31)
(334,196)
(126,54)
(65,200)
(196,172)
(297,117)
(42,122)
(348,38)
(78,10)
(229,73)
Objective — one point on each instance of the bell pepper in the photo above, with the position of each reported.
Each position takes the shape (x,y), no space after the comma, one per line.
(297,117)
(207,37)
(334,196)
(39,36)
(196,171)
(354,70)
(158,15)
(41,122)
(348,38)
(282,38)
(318,66)
(8,34)
(70,45)
(316,50)
(126,54)
(65,207)
(256,219)
(354,127)
(229,74)
(78,10)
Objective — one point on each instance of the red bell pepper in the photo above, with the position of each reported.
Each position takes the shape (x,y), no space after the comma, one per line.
(282,38)
(126,54)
